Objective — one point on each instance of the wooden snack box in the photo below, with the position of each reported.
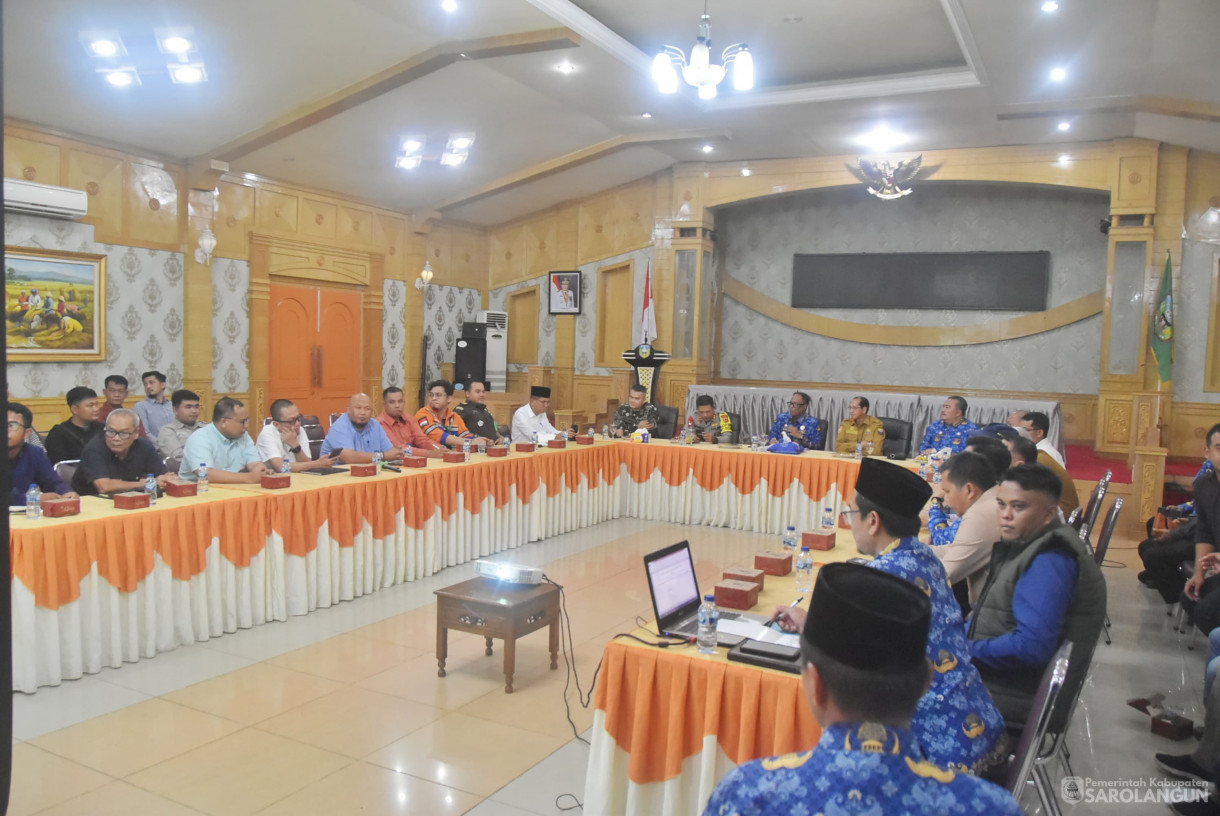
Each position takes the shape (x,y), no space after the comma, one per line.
(414,461)
(737,594)
(131,500)
(497,451)
(276,481)
(58,508)
(584,440)
(557,443)
(454,457)
(181,487)
(524,447)
(819,540)
(366,469)
(754,576)
(773,563)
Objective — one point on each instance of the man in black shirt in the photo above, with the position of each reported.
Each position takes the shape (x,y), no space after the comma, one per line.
(1207,536)
(118,459)
(475,414)
(67,439)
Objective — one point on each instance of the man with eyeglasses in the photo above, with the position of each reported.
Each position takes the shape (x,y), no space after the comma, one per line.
(119,459)
(802,428)
(283,439)
(67,439)
(225,447)
(28,464)
(439,421)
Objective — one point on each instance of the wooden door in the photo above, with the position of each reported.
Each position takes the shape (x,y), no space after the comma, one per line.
(314,348)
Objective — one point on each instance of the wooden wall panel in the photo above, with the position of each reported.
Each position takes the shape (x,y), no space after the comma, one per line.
(541,239)
(1114,423)
(590,393)
(523,319)
(388,240)
(101,177)
(32,160)
(234,219)
(469,258)
(1133,186)
(1187,427)
(506,261)
(275,211)
(355,226)
(318,218)
(153,194)
(614,319)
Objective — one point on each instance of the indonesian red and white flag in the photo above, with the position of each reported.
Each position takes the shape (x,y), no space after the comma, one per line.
(648,317)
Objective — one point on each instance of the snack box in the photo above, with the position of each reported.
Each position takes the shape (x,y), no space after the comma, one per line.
(58,508)
(737,594)
(773,563)
(454,457)
(180,488)
(497,451)
(557,443)
(754,576)
(366,469)
(524,447)
(131,500)
(414,461)
(276,481)
(819,540)
(584,440)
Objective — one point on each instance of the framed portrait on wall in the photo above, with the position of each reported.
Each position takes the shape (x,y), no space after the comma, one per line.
(564,288)
(55,305)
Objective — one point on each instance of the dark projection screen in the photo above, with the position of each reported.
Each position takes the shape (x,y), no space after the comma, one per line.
(999,281)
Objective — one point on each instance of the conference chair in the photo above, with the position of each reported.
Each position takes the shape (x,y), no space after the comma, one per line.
(315,435)
(898,433)
(172,464)
(739,433)
(1074,519)
(1024,762)
(667,422)
(335,416)
(1103,543)
(66,469)
(1093,509)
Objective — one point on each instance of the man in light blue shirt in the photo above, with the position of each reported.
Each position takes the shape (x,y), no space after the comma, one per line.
(357,437)
(225,447)
(154,410)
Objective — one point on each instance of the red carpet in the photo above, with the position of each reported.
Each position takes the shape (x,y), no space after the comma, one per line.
(1086,465)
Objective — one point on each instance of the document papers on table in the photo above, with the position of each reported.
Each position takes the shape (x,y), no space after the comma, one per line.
(750,627)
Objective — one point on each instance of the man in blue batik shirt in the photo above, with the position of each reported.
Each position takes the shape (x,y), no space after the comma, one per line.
(951,430)
(864,669)
(956,723)
(803,429)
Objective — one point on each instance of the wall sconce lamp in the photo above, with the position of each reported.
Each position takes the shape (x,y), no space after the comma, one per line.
(425,277)
(207,245)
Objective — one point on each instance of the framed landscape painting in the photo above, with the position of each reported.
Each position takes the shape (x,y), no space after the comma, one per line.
(55,304)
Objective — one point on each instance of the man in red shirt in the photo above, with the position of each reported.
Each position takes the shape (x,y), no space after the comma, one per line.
(404,431)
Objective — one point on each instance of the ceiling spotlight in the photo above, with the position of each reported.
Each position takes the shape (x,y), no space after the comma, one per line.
(1050,7)
(178,41)
(104,48)
(707,148)
(120,77)
(408,162)
(102,44)
(565,67)
(1058,74)
(449,5)
(882,140)
(645,115)
(745,171)
(460,141)
(1065,126)
(413,144)
(1064,158)
(187,73)
(177,45)
(451,159)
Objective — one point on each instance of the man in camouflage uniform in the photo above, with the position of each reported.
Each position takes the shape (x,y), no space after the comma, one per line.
(638,413)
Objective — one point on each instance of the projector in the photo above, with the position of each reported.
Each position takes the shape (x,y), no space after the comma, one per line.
(513,573)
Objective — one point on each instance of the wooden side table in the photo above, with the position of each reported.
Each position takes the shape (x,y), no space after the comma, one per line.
(496,609)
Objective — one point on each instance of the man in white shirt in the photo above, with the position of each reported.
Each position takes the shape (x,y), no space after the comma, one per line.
(283,439)
(1039,425)
(531,418)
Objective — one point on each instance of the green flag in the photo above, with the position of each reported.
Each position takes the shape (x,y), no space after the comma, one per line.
(1162,324)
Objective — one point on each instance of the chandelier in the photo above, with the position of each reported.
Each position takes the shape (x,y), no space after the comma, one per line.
(699,71)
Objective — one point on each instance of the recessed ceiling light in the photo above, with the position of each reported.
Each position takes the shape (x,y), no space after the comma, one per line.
(882,140)
(187,73)
(1050,6)
(408,162)
(120,77)
(645,115)
(565,67)
(460,141)
(177,45)
(104,48)
(413,144)
(449,5)
(178,40)
(707,148)
(1064,158)
(745,171)
(452,159)
(1058,74)
(1063,126)
(102,44)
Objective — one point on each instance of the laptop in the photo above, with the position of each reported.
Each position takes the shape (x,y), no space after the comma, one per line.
(675,592)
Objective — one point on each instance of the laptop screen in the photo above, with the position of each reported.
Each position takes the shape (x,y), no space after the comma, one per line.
(671,577)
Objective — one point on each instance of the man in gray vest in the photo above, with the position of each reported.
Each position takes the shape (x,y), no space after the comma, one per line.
(1043,588)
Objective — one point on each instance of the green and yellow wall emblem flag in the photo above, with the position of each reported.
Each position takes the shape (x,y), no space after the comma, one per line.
(1162,324)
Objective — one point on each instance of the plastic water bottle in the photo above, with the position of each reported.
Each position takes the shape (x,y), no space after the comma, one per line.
(535,439)
(150,487)
(592,432)
(755,443)
(33,502)
(377,460)
(605,432)
(859,450)
(466,450)
(201,475)
(285,465)
(709,616)
(690,430)
(790,539)
(804,571)
(828,518)
(407,453)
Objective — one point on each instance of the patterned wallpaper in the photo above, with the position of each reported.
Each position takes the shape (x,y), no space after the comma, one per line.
(498,300)
(1192,299)
(393,332)
(586,324)
(144,292)
(446,308)
(230,326)
(758,240)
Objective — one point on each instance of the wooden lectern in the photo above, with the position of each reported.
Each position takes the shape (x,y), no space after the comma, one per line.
(647,362)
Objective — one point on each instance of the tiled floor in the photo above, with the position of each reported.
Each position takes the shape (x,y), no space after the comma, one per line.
(342,712)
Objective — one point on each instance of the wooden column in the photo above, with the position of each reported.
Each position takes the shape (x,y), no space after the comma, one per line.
(197,301)
(372,305)
(260,309)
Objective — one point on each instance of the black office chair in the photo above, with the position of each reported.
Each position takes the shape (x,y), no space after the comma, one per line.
(738,431)
(66,470)
(1093,509)
(315,435)
(667,424)
(898,433)
(1103,543)
(1026,760)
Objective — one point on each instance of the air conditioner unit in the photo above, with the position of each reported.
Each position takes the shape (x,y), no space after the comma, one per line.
(43,199)
(497,349)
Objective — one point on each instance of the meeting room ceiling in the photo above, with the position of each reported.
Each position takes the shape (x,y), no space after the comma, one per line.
(323,93)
